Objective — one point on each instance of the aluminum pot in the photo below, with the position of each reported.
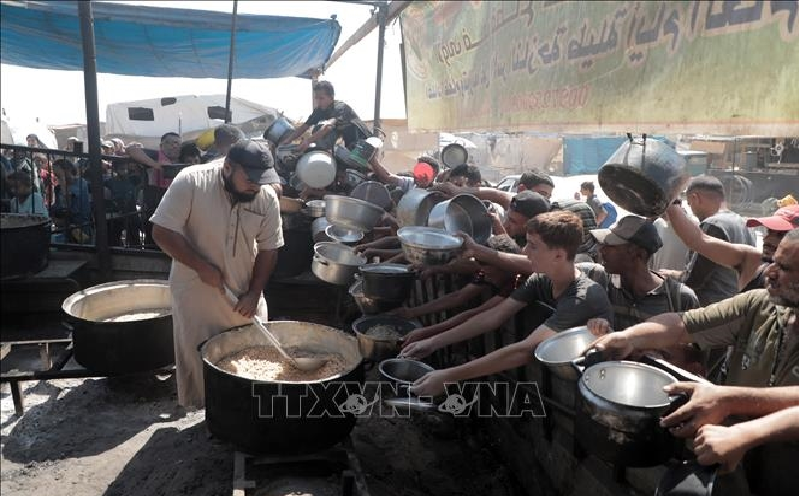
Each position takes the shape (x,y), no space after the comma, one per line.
(336,263)
(644,176)
(373,192)
(24,244)
(317,169)
(351,213)
(315,208)
(346,236)
(278,129)
(428,246)
(380,348)
(559,351)
(618,410)
(106,342)
(402,371)
(454,155)
(318,230)
(414,207)
(387,281)
(463,213)
(370,306)
(238,411)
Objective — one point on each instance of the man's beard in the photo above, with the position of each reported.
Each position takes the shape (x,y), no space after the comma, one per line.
(788,298)
(237,197)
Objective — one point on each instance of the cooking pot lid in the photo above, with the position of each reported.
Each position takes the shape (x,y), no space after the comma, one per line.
(386,268)
(628,383)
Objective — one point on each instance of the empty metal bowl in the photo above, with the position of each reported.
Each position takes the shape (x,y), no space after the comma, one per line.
(428,246)
(351,213)
(463,213)
(558,352)
(403,370)
(343,235)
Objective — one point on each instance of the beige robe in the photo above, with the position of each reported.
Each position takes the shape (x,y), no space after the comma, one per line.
(229,236)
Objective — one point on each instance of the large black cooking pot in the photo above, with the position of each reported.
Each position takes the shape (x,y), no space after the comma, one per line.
(618,409)
(644,176)
(387,281)
(24,244)
(122,347)
(280,417)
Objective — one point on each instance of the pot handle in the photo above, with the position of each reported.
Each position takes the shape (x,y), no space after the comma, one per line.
(675,402)
(321,261)
(591,357)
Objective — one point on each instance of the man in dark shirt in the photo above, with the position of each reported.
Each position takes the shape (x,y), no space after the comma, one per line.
(587,190)
(552,241)
(330,120)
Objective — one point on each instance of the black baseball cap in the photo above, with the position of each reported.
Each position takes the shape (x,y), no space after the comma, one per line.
(529,204)
(256,160)
(630,230)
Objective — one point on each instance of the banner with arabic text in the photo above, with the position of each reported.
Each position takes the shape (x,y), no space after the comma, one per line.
(589,67)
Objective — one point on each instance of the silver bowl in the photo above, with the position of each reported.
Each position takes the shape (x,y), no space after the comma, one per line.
(558,352)
(342,235)
(429,246)
(351,213)
(403,371)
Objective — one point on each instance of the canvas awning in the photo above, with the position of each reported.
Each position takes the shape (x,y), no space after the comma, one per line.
(164,42)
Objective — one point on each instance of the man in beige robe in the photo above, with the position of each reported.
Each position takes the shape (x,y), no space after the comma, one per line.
(221,225)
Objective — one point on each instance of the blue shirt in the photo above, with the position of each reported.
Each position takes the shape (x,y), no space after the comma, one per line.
(34,199)
(80,201)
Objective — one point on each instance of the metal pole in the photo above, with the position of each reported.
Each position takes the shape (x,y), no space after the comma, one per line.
(382,14)
(93,129)
(230,62)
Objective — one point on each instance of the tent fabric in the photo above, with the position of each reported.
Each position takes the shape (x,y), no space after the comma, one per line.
(164,42)
(185,113)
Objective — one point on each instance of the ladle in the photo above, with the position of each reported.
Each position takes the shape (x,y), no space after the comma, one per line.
(304,364)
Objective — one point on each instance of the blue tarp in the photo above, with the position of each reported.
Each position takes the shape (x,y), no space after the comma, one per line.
(164,42)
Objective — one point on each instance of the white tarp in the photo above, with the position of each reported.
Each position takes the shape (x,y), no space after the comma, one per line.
(183,114)
(14,133)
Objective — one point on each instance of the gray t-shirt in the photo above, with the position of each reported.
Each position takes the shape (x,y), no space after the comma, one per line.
(582,300)
(669,296)
(713,282)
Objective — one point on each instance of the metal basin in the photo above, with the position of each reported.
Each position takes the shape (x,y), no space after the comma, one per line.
(336,263)
(414,207)
(559,351)
(428,246)
(376,347)
(351,213)
(403,371)
(317,169)
(463,213)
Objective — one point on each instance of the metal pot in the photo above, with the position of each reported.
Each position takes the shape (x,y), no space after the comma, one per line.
(373,192)
(345,236)
(122,347)
(414,207)
(240,411)
(558,352)
(644,176)
(335,263)
(454,155)
(351,213)
(353,178)
(318,228)
(387,281)
(376,348)
(317,169)
(428,246)
(618,410)
(315,208)
(278,129)
(370,306)
(403,371)
(24,244)
(463,213)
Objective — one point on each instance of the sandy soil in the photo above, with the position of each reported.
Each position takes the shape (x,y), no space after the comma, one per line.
(123,437)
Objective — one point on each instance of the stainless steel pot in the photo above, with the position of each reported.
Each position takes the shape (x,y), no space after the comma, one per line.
(402,371)
(317,169)
(377,348)
(454,155)
(414,207)
(428,246)
(24,244)
(318,227)
(315,208)
(278,129)
(558,352)
(387,281)
(644,176)
(351,213)
(463,213)
(373,192)
(370,306)
(122,327)
(618,411)
(336,263)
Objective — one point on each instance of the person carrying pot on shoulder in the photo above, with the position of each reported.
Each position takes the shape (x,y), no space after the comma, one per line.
(221,225)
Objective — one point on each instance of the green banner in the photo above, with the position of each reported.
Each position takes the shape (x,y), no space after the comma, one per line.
(586,67)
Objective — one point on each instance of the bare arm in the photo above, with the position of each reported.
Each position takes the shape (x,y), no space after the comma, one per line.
(264,265)
(383,175)
(480,324)
(178,247)
(743,258)
(446,302)
(659,332)
(511,262)
(296,134)
(491,194)
(323,131)
(139,156)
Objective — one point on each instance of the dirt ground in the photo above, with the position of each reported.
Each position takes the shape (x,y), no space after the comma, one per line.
(114,437)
